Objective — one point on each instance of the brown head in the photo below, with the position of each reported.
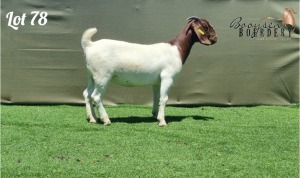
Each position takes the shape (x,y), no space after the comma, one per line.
(197,30)
(202,30)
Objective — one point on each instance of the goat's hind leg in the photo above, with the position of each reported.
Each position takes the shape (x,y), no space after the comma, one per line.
(97,97)
(87,94)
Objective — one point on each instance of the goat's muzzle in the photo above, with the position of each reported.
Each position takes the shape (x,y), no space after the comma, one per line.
(213,39)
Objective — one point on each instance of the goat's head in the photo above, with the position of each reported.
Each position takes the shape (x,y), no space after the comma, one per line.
(203,30)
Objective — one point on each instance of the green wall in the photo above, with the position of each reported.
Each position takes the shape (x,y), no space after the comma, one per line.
(45,64)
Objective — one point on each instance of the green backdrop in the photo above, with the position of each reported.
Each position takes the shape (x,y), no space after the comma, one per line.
(45,64)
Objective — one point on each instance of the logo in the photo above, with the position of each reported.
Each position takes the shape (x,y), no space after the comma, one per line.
(266,28)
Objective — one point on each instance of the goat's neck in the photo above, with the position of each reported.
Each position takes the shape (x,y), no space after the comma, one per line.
(184,42)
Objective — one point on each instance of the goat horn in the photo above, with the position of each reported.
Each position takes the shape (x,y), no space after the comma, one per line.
(192,18)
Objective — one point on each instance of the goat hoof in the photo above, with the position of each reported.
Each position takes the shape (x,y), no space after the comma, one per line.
(107,123)
(162,124)
(91,120)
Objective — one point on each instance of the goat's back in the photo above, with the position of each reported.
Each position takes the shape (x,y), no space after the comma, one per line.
(121,55)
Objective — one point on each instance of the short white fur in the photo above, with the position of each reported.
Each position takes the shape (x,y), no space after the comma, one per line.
(128,64)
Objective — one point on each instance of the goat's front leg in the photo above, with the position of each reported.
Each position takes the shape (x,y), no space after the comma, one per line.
(166,82)
(156,95)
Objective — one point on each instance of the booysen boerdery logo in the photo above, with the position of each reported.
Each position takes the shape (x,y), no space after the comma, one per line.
(282,27)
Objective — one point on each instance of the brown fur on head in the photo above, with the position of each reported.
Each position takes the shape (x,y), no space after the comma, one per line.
(204,31)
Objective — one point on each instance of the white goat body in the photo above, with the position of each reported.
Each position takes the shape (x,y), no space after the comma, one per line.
(131,64)
(128,64)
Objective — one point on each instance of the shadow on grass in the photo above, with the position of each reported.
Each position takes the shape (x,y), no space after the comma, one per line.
(169,119)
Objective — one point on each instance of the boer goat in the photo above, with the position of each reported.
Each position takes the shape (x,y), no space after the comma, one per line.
(131,64)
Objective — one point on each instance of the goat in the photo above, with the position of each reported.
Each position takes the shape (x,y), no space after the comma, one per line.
(131,64)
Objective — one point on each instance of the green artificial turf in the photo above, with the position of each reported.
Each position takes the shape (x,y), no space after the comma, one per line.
(57,141)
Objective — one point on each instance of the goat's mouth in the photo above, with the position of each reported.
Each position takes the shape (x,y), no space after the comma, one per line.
(208,40)
(213,39)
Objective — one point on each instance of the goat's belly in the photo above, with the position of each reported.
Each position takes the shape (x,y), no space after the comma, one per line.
(135,79)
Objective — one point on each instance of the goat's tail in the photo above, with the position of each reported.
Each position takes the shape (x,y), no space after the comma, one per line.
(86,37)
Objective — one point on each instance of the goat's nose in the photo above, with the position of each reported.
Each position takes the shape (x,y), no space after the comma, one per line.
(213,39)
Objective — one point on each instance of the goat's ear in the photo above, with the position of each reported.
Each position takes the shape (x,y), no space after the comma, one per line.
(202,34)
